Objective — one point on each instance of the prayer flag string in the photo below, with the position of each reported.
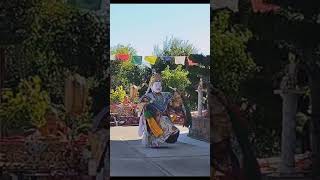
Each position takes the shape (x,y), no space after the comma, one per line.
(191,60)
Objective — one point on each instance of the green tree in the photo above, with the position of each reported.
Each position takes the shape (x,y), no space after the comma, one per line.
(175,47)
(231,64)
(177,78)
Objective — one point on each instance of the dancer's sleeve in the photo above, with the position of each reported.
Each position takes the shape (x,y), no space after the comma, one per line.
(141,125)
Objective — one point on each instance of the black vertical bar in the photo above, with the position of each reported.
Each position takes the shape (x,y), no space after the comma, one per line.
(2,69)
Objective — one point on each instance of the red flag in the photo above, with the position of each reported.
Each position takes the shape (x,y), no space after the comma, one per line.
(261,6)
(122,57)
(191,63)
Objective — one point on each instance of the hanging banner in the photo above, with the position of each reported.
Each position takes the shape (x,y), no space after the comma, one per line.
(180,60)
(151,59)
(191,63)
(112,57)
(167,58)
(122,57)
(137,60)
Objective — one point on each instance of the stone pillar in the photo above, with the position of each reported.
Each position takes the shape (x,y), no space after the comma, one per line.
(289,92)
(200,97)
(288,136)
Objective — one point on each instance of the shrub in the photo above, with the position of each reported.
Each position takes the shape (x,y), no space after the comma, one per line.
(177,78)
(117,95)
(25,108)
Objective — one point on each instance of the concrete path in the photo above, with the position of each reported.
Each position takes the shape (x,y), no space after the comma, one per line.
(188,157)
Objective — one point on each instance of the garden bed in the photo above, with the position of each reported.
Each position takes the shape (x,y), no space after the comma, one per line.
(45,155)
(271,165)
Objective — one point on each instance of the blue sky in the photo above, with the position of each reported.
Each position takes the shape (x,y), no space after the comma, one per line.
(145,25)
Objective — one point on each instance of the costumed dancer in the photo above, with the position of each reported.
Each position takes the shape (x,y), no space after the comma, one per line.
(155,125)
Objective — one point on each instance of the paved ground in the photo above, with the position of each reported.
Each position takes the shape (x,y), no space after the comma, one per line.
(188,157)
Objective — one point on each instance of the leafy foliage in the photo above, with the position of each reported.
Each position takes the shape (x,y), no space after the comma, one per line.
(177,78)
(175,47)
(61,39)
(26,107)
(117,95)
(127,74)
(231,63)
(15,17)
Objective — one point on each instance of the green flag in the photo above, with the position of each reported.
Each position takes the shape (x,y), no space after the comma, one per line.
(136,60)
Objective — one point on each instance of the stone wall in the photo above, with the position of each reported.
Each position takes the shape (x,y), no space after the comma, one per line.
(200,128)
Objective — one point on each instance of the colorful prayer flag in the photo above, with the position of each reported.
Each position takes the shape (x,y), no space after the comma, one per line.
(112,57)
(151,59)
(123,57)
(167,58)
(180,59)
(136,60)
(191,63)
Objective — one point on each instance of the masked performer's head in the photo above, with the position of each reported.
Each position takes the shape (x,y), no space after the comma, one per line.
(155,83)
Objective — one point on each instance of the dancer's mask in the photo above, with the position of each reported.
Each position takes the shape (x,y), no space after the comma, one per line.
(155,83)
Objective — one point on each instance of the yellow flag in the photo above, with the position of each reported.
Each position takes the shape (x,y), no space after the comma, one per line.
(151,59)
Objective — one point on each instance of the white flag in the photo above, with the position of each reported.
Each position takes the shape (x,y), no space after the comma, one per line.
(180,60)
